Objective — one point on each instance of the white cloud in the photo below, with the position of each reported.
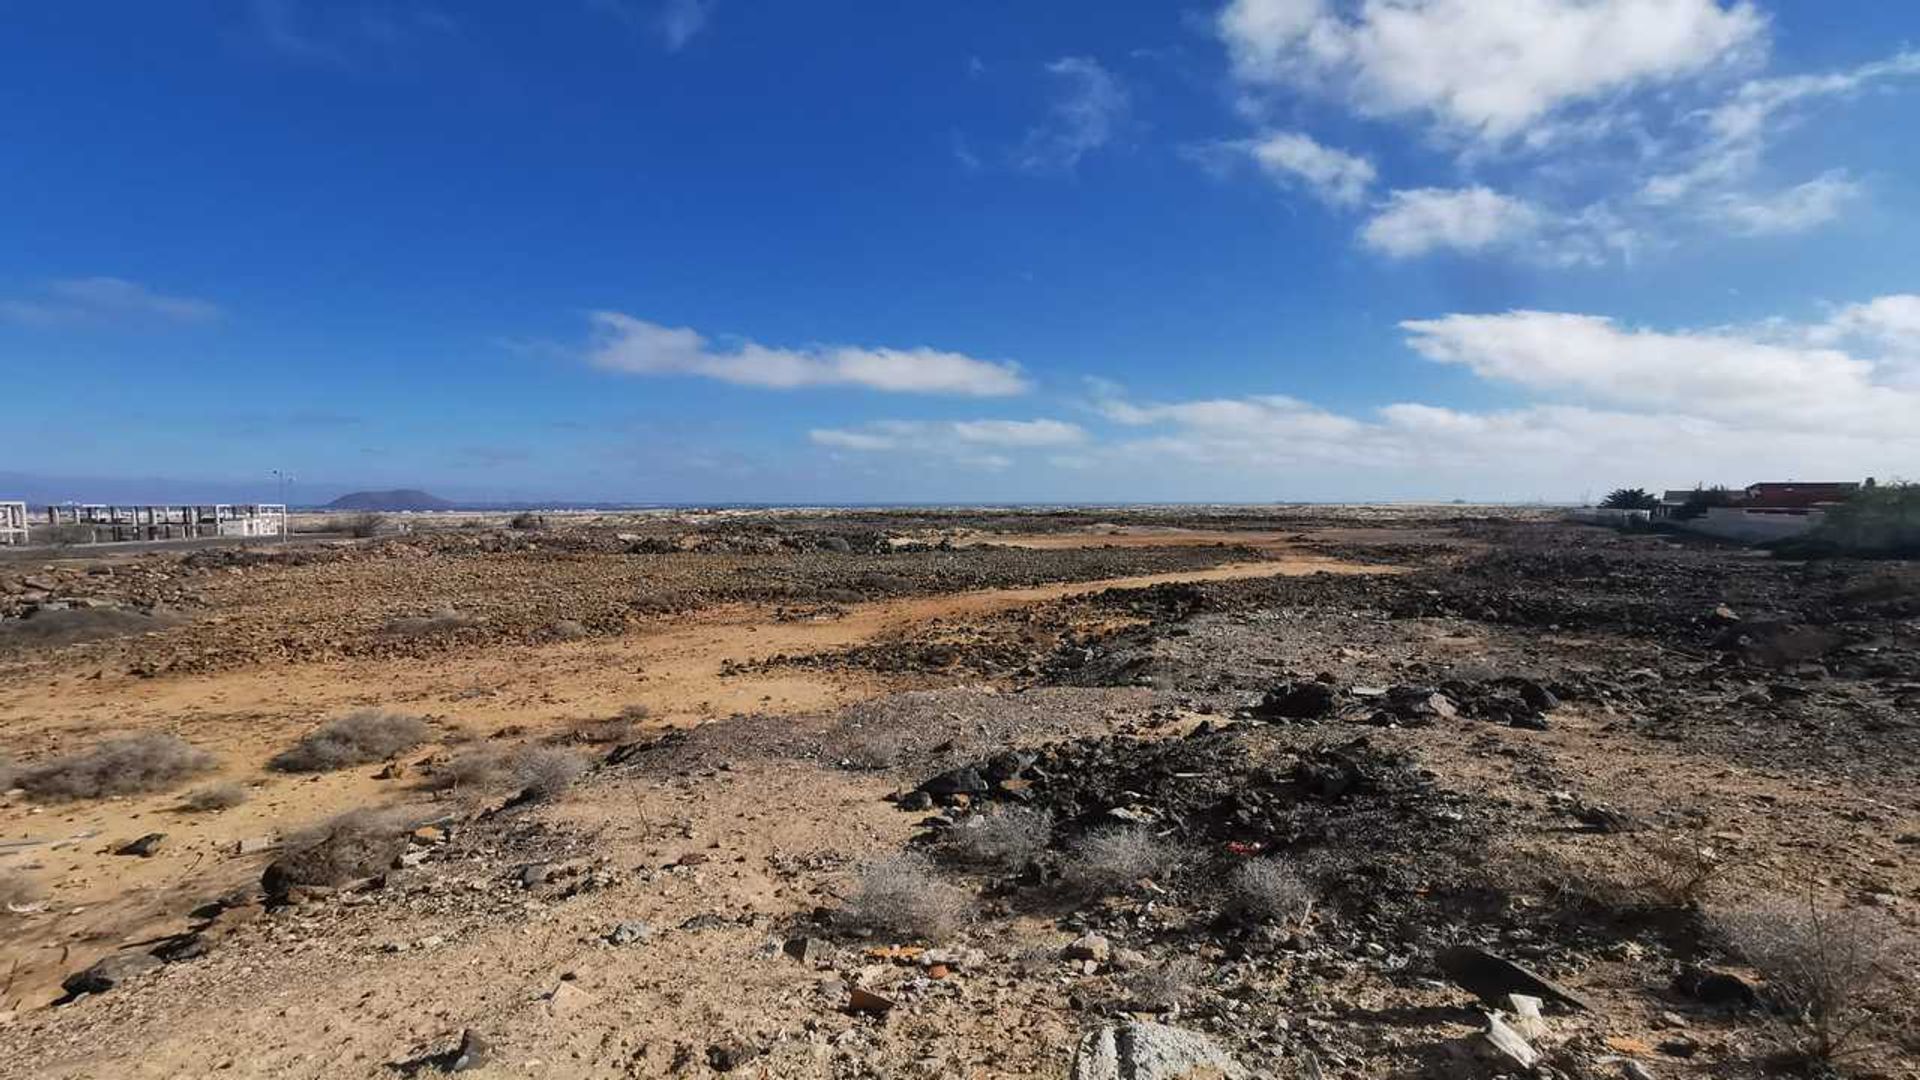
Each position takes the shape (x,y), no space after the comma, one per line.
(1737,130)
(1088,108)
(977,443)
(1727,375)
(105,300)
(1335,176)
(626,344)
(1486,70)
(1796,209)
(1613,405)
(680,20)
(1468,220)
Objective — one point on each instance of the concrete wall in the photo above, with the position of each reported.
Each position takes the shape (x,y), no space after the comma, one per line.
(1749,526)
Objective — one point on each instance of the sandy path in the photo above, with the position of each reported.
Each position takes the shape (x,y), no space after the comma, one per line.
(246,716)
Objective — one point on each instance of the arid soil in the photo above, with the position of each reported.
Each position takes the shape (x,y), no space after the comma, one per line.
(1582,751)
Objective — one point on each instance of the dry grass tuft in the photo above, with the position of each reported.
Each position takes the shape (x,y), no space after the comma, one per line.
(364,526)
(1268,890)
(221,796)
(1006,839)
(127,766)
(352,846)
(1671,871)
(1108,862)
(443,621)
(902,898)
(1834,973)
(16,891)
(536,773)
(357,738)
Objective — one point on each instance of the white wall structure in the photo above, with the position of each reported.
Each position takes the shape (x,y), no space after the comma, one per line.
(101,523)
(13,523)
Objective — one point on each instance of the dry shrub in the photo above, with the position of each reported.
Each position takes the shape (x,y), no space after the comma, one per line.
(443,621)
(1834,973)
(1006,839)
(48,628)
(357,738)
(352,846)
(365,525)
(16,891)
(1161,986)
(544,773)
(602,731)
(1268,890)
(537,773)
(1108,862)
(902,898)
(568,630)
(876,750)
(1670,871)
(221,796)
(126,766)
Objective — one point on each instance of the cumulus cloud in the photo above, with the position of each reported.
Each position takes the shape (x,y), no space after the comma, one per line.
(974,442)
(680,20)
(1613,404)
(104,300)
(1086,113)
(1473,219)
(1335,176)
(626,344)
(1488,71)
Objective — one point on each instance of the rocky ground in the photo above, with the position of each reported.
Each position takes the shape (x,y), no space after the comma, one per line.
(973,821)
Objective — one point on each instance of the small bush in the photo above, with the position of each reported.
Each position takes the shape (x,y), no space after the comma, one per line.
(350,847)
(222,796)
(902,898)
(568,630)
(544,773)
(528,520)
(1108,862)
(127,766)
(358,738)
(363,526)
(1832,972)
(1267,890)
(48,628)
(1670,872)
(604,731)
(441,621)
(16,891)
(1006,839)
(536,773)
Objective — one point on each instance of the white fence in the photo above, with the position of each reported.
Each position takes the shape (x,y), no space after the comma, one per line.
(13,523)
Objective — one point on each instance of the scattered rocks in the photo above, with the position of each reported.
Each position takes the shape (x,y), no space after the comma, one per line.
(732,1052)
(1505,1045)
(1089,947)
(627,933)
(1303,700)
(811,951)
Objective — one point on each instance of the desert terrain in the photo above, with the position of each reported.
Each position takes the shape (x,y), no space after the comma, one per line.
(956,794)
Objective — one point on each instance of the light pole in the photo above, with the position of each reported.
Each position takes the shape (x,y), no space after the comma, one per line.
(283,478)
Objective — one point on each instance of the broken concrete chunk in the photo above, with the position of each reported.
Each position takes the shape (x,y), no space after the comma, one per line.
(1506,1045)
(1139,1050)
(1491,978)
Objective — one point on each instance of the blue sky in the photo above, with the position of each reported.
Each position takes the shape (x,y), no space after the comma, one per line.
(707,250)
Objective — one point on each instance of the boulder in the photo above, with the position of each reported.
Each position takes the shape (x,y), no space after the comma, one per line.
(1140,1050)
(1299,701)
(1492,978)
(111,972)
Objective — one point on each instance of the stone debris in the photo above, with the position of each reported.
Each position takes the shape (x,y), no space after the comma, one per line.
(1505,1044)
(1142,1050)
(111,972)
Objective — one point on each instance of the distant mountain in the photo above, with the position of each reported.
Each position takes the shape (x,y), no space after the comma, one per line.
(396,500)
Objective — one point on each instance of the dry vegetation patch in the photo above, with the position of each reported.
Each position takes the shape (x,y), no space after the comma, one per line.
(903,898)
(350,847)
(1108,862)
(126,766)
(357,738)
